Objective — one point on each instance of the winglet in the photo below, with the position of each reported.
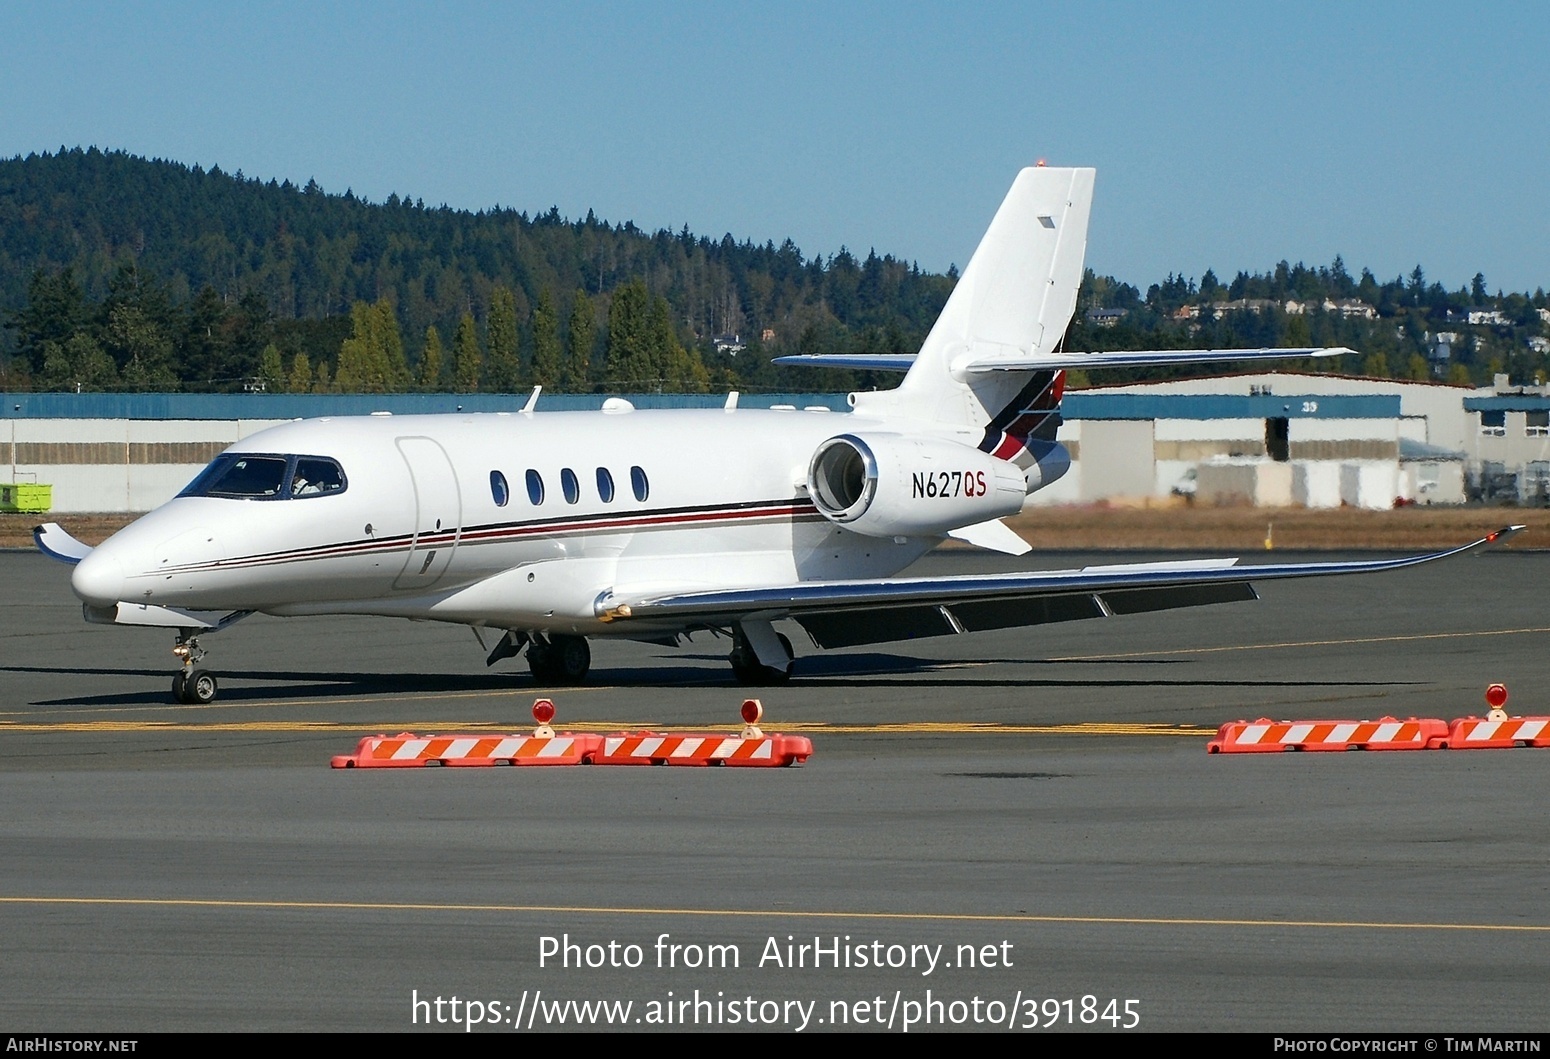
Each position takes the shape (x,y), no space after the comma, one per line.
(1503,535)
(58,545)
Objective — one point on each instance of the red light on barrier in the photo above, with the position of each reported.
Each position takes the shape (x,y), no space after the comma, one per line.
(753,710)
(1496,696)
(543,711)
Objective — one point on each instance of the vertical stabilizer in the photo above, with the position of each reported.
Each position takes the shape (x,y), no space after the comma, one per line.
(1014,300)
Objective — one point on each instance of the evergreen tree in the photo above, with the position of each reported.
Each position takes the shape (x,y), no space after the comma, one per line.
(430,361)
(55,311)
(390,343)
(372,360)
(466,356)
(76,364)
(631,361)
(271,371)
(359,369)
(503,368)
(578,348)
(546,342)
(300,380)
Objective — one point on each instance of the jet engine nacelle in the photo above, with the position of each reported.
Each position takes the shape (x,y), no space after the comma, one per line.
(896,486)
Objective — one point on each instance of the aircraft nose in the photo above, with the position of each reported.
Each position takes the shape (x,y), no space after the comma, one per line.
(98,579)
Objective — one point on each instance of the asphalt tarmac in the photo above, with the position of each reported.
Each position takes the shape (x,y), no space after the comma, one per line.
(1019,830)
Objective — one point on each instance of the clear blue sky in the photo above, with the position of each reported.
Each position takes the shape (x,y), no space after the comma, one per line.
(1225,135)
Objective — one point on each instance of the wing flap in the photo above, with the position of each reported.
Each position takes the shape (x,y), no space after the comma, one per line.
(881,626)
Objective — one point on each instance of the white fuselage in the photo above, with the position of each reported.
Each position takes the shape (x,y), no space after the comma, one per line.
(437,520)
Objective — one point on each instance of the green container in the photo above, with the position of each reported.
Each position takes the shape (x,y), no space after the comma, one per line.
(26,496)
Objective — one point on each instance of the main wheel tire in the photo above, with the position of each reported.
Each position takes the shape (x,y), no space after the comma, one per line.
(750,672)
(179,682)
(540,662)
(572,658)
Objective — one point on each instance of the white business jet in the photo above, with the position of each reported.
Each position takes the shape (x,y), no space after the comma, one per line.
(550,528)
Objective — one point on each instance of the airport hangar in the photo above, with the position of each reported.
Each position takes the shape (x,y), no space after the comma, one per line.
(1270,438)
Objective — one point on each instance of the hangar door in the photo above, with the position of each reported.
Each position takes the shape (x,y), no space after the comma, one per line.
(438,508)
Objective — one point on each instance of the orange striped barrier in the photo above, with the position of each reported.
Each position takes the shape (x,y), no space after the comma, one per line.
(1498,733)
(1266,736)
(649,748)
(407,750)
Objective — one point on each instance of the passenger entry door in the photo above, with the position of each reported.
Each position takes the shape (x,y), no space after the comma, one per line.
(438,511)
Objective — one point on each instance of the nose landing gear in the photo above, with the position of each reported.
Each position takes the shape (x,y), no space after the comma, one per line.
(192,686)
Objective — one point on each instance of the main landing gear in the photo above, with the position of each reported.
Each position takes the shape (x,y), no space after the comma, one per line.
(746,666)
(192,686)
(562,659)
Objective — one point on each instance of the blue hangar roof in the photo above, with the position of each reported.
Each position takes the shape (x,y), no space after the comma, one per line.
(1094,405)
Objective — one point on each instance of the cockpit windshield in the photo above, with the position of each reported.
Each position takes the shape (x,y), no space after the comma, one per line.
(250,476)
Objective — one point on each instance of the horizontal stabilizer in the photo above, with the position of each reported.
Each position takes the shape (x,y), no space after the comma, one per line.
(852,361)
(1139,358)
(1143,358)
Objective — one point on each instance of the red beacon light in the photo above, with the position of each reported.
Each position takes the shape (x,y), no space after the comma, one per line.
(753,713)
(543,713)
(1496,698)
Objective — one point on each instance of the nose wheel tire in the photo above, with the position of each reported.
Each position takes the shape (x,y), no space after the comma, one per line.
(195,688)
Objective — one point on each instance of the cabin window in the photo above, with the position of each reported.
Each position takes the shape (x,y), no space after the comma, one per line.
(639,485)
(605,485)
(498,488)
(535,487)
(570,486)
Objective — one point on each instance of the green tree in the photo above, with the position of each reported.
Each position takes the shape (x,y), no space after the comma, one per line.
(546,342)
(631,363)
(271,370)
(372,360)
(430,361)
(681,370)
(300,380)
(78,364)
(359,370)
(503,368)
(137,329)
(577,377)
(55,311)
(466,356)
(395,366)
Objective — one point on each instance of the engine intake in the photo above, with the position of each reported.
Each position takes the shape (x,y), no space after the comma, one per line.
(896,486)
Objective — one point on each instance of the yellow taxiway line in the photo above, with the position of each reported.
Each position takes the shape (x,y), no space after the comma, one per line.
(767,913)
(375,728)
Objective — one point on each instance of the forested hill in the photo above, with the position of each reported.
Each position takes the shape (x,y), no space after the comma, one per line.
(311,255)
(118,272)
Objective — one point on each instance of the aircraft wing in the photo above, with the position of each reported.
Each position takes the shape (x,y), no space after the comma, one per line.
(54,542)
(845,613)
